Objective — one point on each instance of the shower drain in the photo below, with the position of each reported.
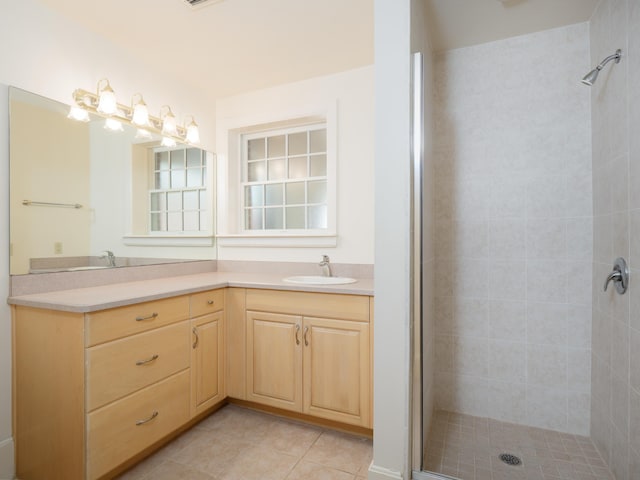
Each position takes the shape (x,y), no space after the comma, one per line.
(510,459)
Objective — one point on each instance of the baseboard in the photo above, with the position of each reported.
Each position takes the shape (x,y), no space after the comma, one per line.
(7,462)
(381,473)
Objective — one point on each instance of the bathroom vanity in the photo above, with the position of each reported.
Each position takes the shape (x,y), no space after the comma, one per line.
(105,375)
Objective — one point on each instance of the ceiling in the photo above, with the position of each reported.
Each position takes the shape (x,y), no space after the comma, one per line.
(461,23)
(234,46)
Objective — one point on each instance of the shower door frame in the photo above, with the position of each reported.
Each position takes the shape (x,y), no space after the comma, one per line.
(417,429)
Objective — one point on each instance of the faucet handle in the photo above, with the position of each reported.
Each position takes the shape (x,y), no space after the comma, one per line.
(619,276)
(325,258)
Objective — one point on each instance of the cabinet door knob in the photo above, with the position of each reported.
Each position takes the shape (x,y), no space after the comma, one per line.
(148,360)
(210,302)
(297,334)
(306,340)
(147,420)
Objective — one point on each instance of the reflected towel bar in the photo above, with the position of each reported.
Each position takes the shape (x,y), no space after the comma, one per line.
(49,204)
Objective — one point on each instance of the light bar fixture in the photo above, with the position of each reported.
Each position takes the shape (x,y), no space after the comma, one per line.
(104,104)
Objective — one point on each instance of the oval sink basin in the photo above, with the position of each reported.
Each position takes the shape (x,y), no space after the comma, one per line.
(318,280)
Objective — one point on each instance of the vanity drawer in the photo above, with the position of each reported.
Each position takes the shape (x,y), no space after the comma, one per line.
(207,302)
(118,368)
(120,322)
(325,305)
(120,430)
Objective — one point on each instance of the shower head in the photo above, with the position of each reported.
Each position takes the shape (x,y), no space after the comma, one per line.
(591,77)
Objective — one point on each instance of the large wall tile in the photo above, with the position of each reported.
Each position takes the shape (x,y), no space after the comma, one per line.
(547,281)
(546,407)
(547,366)
(507,280)
(547,323)
(515,229)
(507,361)
(508,401)
(507,320)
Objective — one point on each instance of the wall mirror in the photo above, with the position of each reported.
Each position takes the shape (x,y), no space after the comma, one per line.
(79,191)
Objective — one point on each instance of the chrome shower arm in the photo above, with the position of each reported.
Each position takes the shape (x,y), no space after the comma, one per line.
(616,56)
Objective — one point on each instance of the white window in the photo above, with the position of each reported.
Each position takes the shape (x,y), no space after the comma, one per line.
(178,197)
(285,184)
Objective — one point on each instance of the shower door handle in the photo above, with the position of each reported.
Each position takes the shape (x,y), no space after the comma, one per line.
(619,276)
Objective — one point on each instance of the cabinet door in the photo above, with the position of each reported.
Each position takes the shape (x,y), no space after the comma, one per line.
(336,370)
(274,360)
(207,374)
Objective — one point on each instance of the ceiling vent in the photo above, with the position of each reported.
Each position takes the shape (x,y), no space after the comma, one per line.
(200,3)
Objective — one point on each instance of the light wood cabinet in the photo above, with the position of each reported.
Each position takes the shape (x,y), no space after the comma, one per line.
(123,428)
(93,390)
(115,369)
(107,325)
(274,362)
(207,350)
(336,370)
(317,365)
(207,373)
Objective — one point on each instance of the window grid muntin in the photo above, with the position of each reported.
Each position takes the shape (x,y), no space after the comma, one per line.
(160,218)
(250,208)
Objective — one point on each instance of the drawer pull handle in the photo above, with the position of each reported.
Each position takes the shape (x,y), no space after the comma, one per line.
(147,420)
(148,360)
(210,302)
(306,340)
(197,340)
(297,334)
(148,317)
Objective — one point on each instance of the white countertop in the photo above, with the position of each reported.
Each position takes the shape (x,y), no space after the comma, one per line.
(91,299)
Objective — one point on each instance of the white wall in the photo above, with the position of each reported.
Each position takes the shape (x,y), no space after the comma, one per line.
(514,223)
(347,95)
(53,56)
(392,240)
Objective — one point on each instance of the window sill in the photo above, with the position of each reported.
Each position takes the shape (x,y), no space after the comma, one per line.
(278,240)
(169,240)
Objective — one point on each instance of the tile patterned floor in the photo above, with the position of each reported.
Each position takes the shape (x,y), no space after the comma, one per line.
(239,444)
(467,447)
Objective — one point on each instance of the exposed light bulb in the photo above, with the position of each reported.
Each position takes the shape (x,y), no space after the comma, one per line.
(113,125)
(107,100)
(78,113)
(193,134)
(168,142)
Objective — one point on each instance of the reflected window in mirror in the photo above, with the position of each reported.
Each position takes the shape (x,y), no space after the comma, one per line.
(172,194)
(178,193)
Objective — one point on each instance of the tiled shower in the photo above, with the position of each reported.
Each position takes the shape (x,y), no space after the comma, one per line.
(537,191)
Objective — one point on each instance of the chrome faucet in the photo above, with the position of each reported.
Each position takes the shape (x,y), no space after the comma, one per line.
(326,268)
(111,258)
